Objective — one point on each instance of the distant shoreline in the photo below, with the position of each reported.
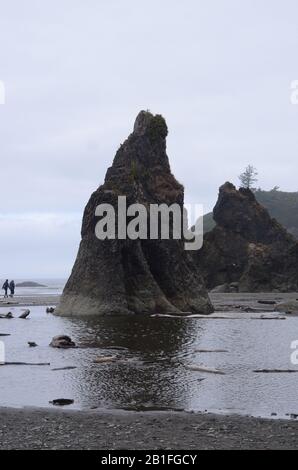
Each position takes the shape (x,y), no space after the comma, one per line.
(35,428)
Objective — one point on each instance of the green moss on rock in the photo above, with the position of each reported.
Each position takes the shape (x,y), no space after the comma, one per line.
(157,127)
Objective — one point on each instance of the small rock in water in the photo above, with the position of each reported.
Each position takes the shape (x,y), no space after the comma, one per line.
(62,402)
(32,344)
(25,314)
(293,416)
(62,341)
(50,310)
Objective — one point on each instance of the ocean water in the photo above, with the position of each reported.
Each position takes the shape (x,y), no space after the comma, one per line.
(151,370)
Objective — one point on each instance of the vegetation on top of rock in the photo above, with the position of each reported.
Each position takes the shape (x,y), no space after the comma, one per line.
(249,177)
(157,127)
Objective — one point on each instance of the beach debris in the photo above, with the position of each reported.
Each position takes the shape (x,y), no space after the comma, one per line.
(117,348)
(211,350)
(199,368)
(32,344)
(9,302)
(276,371)
(61,402)
(50,310)
(104,359)
(62,341)
(6,315)
(27,363)
(25,314)
(64,368)
(293,416)
(267,302)
(220,316)
(290,307)
(263,317)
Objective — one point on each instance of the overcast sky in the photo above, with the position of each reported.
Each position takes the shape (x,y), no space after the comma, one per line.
(77,73)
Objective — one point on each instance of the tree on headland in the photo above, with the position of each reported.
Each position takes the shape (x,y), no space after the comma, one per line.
(249,177)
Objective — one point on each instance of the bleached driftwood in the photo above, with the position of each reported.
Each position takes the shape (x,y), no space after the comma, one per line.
(27,363)
(276,371)
(104,359)
(199,368)
(220,317)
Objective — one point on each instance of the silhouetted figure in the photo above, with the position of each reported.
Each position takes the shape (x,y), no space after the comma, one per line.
(12,287)
(5,288)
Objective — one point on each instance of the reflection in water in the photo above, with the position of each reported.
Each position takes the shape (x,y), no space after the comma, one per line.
(151,368)
(148,372)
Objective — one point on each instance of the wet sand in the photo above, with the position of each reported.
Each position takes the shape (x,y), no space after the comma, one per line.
(30,300)
(50,429)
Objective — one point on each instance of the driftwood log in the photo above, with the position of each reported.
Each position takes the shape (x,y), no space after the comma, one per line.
(211,350)
(27,363)
(61,402)
(104,359)
(276,371)
(6,315)
(198,368)
(25,314)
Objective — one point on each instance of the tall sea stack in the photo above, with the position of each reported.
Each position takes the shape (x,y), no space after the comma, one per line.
(114,277)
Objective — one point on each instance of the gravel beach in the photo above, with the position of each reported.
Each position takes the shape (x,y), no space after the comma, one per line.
(57,429)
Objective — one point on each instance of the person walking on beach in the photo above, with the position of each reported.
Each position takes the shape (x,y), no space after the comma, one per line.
(5,288)
(12,287)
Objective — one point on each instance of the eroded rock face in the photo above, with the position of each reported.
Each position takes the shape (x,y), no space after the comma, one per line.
(113,277)
(247,246)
